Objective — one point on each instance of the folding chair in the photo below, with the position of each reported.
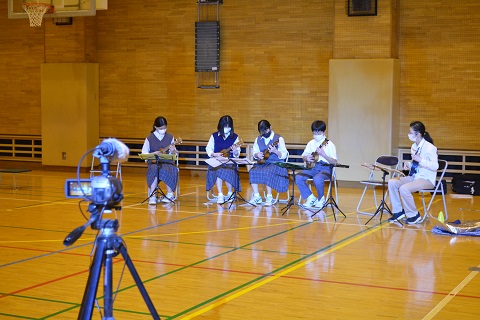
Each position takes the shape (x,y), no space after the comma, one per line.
(373,181)
(177,189)
(442,168)
(95,170)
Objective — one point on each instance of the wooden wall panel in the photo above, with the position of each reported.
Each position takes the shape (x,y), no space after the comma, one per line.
(365,37)
(274,62)
(440,71)
(274,65)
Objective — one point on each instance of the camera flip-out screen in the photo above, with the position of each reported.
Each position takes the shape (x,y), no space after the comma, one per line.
(74,187)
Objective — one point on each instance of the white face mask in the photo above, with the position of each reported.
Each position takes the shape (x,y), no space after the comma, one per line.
(318,137)
(412,138)
(227,130)
(161,131)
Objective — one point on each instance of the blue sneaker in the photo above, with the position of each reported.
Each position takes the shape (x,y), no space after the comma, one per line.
(397,216)
(415,219)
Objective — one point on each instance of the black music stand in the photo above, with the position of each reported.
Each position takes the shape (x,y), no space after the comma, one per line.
(236,194)
(293,167)
(158,190)
(383,206)
(331,200)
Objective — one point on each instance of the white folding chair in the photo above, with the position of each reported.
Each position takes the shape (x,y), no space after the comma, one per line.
(177,189)
(94,170)
(442,168)
(374,181)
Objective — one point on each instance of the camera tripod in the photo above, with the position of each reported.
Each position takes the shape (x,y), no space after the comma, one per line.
(108,245)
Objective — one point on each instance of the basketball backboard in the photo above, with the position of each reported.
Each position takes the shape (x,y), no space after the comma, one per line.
(62,8)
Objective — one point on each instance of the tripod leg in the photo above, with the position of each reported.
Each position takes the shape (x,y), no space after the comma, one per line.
(379,209)
(107,284)
(90,293)
(138,282)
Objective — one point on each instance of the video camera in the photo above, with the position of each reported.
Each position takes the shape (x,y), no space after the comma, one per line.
(105,189)
(99,190)
(104,192)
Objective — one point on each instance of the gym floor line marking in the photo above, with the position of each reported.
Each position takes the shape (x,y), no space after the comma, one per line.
(450,296)
(271,276)
(211,231)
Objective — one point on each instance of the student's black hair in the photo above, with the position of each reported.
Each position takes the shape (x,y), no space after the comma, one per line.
(419,127)
(319,125)
(159,122)
(263,125)
(224,122)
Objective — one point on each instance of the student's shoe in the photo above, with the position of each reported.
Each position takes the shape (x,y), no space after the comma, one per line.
(310,202)
(220,198)
(320,203)
(152,201)
(269,200)
(256,199)
(397,216)
(415,219)
(169,197)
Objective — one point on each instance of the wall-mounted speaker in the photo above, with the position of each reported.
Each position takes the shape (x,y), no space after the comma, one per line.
(207,46)
(362,8)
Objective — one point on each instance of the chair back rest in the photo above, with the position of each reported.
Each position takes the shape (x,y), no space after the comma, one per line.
(442,168)
(385,160)
(391,161)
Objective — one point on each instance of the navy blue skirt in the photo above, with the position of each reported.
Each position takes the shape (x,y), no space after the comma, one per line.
(270,175)
(226,173)
(168,173)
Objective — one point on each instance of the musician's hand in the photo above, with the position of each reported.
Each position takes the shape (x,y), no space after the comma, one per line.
(309,158)
(407,165)
(171,149)
(273,149)
(321,152)
(259,155)
(217,154)
(157,152)
(417,158)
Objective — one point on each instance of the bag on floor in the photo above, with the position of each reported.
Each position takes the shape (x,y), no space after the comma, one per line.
(466,183)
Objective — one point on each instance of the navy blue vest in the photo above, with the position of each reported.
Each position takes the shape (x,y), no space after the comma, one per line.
(262,146)
(220,143)
(156,145)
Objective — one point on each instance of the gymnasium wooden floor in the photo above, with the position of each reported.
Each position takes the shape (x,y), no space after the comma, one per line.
(240,262)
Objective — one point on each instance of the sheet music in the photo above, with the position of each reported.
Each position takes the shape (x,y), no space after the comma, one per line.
(151,156)
(215,162)
(372,166)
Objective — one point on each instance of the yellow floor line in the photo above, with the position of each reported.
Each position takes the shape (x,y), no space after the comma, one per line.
(450,296)
(280,274)
(210,231)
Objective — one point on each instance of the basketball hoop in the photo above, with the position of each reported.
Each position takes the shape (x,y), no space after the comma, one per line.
(35,11)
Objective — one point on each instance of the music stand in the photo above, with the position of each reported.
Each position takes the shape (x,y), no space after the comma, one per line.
(158,158)
(383,206)
(293,167)
(331,200)
(215,162)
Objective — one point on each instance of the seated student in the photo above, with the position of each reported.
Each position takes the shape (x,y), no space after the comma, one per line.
(423,175)
(319,153)
(222,139)
(268,147)
(158,140)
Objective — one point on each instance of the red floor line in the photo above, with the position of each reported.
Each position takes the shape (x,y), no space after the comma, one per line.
(49,282)
(225,270)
